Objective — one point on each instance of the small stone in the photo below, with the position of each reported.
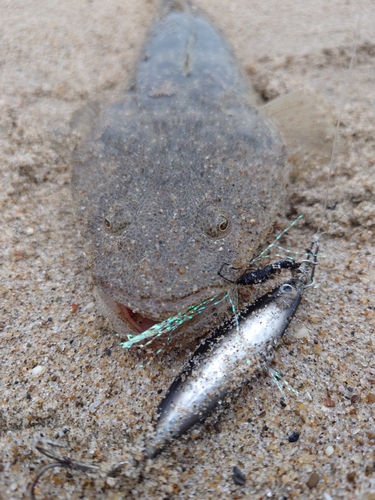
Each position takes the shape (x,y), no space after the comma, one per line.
(238,476)
(74,308)
(37,370)
(350,477)
(357,458)
(313,480)
(302,333)
(111,481)
(355,398)
(341,389)
(370,398)
(286,479)
(294,437)
(218,427)
(194,434)
(94,405)
(329,451)
(329,403)
(89,306)
(318,349)
(108,351)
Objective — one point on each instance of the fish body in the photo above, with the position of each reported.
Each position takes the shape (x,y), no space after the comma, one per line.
(178,176)
(225,361)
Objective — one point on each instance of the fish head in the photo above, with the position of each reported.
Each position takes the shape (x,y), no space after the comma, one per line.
(164,203)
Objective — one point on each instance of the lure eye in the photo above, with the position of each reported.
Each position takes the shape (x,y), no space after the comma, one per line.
(213,222)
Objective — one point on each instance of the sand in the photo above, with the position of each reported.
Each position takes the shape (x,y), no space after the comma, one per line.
(64,376)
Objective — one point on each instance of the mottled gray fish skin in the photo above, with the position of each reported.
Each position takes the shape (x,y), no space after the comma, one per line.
(179,176)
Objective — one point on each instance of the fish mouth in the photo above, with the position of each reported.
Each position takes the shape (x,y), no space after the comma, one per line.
(128,320)
(134,319)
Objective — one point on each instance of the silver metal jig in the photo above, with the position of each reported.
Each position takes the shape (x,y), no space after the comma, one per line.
(230,356)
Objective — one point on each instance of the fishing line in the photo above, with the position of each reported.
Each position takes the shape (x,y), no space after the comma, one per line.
(344,97)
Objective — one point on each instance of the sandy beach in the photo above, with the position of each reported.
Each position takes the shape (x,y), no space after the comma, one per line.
(64,376)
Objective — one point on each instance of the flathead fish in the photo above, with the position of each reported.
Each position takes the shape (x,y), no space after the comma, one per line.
(179,176)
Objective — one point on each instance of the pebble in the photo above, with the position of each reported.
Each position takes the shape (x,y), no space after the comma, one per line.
(302,333)
(313,480)
(94,405)
(355,398)
(111,481)
(30,231)
(89,306)
(238,476)
(329,451)
(351,477)
(194,434)
(357,458)
(294,437)
(37,370)
(329,403)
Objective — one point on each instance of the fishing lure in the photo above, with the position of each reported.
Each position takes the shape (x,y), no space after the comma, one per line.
(230,356)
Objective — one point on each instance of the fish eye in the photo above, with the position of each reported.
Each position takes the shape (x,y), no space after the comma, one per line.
(115,226)
(223,224)
(213,222)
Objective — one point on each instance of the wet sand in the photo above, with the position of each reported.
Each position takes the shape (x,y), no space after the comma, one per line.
(64,375)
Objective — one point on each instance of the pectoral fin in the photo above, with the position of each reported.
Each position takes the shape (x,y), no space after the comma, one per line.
(305,124)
